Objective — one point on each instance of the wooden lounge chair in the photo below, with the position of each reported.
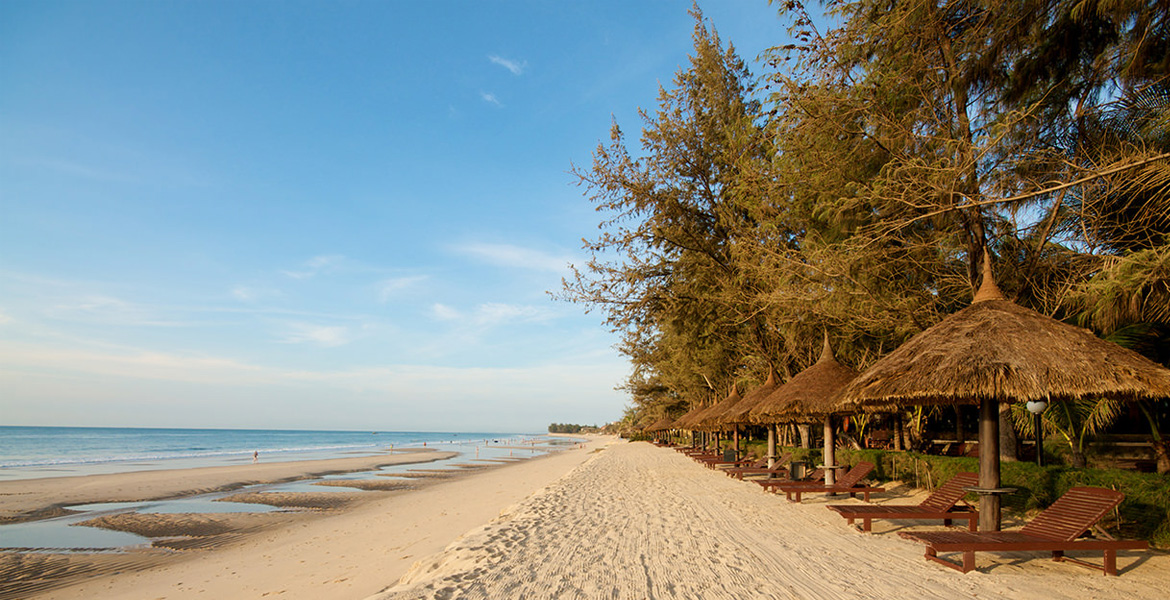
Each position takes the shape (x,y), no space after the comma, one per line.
(761,468)
(848,484)
(771,484)
(938,505)
(1054,530)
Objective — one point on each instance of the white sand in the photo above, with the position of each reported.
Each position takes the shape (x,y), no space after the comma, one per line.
(348,554)
(637,521)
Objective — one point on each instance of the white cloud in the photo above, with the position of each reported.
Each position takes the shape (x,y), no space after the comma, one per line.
(491,314)
(490,98)
(443,312)
(98,308)
(244,293)
(4,318)
(328,337)
(515,67)
(315,266)
(390,287)
(507,255)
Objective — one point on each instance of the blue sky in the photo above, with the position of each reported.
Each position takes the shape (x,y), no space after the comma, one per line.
(341,215)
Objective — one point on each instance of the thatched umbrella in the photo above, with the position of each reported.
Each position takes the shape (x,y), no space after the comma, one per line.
(708,420)
(663,424)
(997,351)
(738,414)
(810,396)
(689,420)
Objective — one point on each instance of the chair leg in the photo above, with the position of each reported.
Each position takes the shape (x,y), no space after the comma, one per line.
(968,560)
(866,525)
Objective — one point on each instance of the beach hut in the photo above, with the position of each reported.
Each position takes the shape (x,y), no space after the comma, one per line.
(995,351)
(810,396)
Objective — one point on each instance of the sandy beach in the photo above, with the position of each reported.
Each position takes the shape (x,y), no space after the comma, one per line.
(638,521)
(610,520)
(353,545)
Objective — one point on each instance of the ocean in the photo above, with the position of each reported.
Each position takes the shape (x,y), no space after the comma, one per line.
(33,452)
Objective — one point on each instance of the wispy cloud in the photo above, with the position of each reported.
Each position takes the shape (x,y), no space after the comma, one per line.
(321,335)
(491,314)
(515,67)
(4,318)
(508,255)
(443,312)
(84,171)
(314,266)
(99,308)
(390,287)
(490,98)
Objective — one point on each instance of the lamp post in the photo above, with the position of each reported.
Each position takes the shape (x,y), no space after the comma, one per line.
(1036,407)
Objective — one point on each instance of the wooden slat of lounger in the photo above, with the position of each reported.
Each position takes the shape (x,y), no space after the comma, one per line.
(1073,513)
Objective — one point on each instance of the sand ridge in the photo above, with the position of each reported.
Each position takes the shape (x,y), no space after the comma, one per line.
(638,521)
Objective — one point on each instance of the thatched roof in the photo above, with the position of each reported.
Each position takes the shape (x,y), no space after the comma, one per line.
(709,420)
(661,425)
(808,395)
(687,420)
(738,414)
(998,349)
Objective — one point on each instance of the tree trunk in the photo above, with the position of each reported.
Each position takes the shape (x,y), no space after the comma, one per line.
(960,435)
(1008,441)
(989,505)
(805,434)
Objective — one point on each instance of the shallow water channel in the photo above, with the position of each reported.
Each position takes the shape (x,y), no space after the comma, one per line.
(62,534)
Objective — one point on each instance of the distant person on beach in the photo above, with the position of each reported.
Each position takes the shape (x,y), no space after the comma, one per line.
(255,456)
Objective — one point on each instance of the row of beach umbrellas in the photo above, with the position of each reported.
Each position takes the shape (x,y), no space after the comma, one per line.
(991,352)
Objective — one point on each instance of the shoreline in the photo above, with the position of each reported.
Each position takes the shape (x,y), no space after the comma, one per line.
(338,545)
(24,500)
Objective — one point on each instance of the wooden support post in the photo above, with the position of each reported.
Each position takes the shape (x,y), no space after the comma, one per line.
(772,446)
(989,515)
(830,452)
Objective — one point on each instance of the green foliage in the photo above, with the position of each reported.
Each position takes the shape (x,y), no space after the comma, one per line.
(1144,514)
(568,428)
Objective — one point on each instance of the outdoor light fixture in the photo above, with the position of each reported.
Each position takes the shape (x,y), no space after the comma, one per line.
(1036,407)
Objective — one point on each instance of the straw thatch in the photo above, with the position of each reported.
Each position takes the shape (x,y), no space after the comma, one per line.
(709,420)
(687,421)
(998,349)
(809,395)
(660,425)
(738,414)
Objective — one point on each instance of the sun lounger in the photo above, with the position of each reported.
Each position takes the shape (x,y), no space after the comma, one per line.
(769,484)
(938,505)
(848,484)
(761,468)
(1054,530)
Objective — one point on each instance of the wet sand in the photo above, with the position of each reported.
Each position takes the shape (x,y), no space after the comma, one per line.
(31,498)
(337,545)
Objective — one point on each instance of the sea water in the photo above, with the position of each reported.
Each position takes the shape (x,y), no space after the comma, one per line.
(34,452)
